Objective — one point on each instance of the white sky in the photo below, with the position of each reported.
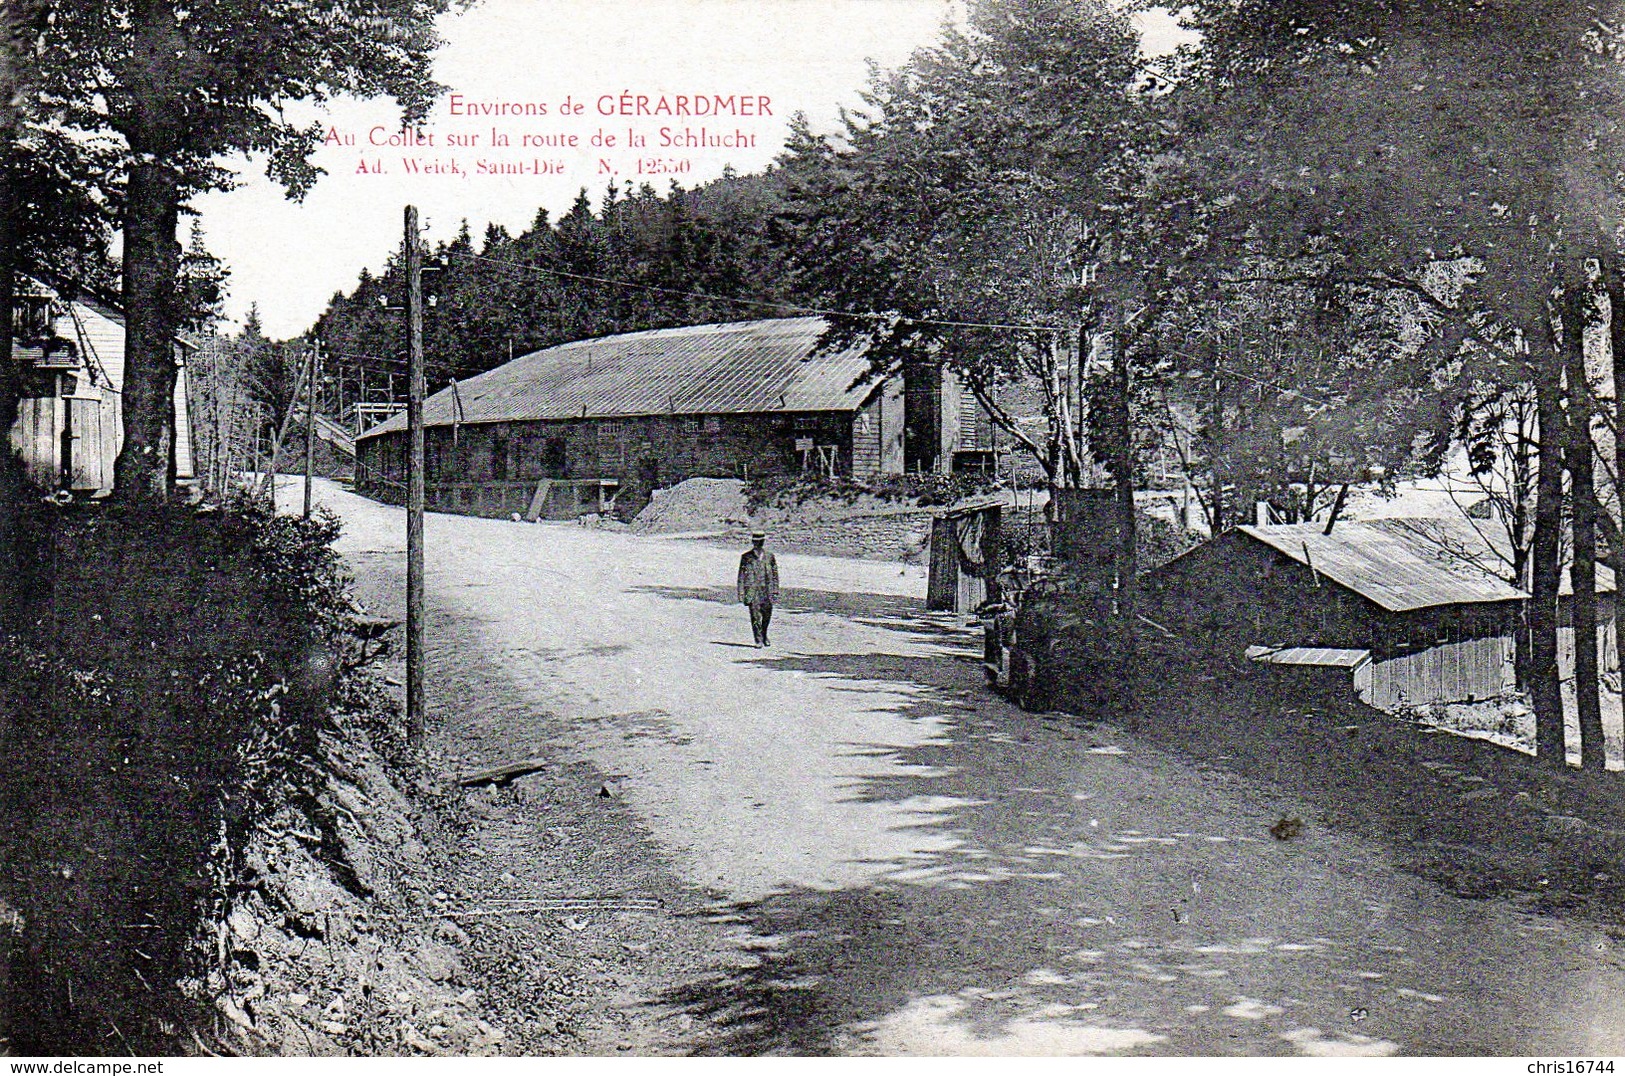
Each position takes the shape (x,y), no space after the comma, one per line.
(808,55)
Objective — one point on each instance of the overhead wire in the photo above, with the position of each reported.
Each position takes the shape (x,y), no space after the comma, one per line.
(775,304)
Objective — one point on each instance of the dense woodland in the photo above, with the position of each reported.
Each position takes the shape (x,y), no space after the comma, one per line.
(505,295)
(1331,242)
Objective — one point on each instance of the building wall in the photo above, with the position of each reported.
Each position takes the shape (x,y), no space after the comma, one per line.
(184,466)
(37,438)
(1248,593)
(1471,670)
(963,431)
(101,341)
(923,411)
(61,412)
(79,412)
(878,433)
(636,454)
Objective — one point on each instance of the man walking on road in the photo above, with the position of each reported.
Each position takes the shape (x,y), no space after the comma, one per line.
(758,585)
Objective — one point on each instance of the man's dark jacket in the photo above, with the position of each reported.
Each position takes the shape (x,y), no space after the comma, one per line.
(758,578)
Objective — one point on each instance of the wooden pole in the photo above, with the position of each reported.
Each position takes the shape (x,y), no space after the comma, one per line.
(311,368)
(415,722)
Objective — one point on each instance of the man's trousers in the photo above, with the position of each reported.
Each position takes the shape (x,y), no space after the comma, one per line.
(760,614)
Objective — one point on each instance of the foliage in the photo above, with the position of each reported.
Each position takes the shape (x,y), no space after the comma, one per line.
(1161,541)
(183,86)
(202,282)
(502,295)
(158,759)
(1295,384)
(298,562)
(991,183)
(926,490)
(1381,132)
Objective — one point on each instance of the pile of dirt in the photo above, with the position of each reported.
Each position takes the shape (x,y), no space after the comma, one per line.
(865,526)
(695,505)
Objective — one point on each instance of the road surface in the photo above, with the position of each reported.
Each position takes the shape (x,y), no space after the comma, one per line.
(920,868)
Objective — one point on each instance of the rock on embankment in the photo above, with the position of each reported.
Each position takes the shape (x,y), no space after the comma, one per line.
(336,941)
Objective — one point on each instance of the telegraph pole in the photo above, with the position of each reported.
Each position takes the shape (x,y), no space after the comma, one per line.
(313,367)
(415,722)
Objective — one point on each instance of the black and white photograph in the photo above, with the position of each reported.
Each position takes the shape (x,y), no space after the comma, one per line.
(657,529)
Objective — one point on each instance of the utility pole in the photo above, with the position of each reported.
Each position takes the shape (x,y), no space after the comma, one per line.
(415,722)
(312,368)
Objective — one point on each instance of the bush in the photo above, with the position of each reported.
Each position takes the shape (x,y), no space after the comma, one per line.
(1158,541)
(169,697)
(925,490)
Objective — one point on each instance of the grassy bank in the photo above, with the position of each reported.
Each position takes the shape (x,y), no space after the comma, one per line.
(166,695)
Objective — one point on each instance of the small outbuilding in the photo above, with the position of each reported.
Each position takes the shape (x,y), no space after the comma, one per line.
(69,351)
(1424,598)
(966,556)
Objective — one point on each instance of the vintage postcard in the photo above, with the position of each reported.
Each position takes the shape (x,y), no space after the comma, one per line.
(879,528)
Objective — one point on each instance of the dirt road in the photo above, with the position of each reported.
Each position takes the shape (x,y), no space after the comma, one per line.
(909,865)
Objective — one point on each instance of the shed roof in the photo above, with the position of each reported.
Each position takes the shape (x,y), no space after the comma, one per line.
(732,368)
(1315,656)
(1408,564)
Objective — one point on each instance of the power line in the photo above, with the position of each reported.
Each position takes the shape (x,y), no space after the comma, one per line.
(765,303)
(378,361)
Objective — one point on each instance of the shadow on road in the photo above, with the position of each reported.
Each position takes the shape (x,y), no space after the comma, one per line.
(889,611)
(824,962)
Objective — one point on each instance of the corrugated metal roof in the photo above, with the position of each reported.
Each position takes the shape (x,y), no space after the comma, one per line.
(1458,533)
(733,368)
(1323,657)
(1401,564)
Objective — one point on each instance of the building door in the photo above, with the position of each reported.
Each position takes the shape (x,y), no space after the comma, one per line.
(87,448)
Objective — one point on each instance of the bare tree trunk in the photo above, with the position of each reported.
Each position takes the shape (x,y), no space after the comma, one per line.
(280,439)
(151,270)
(11,478)
(1215,439)
(1583,485)
(1121,465)
(1545,688)
(1613,276)
(1112,430)
(1521,493)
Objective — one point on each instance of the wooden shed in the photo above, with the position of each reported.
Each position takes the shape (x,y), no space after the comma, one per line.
(70,426)
(966,556)
(1421,596)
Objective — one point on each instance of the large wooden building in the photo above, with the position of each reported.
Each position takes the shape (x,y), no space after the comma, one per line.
(1425,600)
(69,350)
(596,425)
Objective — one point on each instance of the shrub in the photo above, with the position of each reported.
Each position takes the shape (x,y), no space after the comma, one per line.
(925,490)
(169,697)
